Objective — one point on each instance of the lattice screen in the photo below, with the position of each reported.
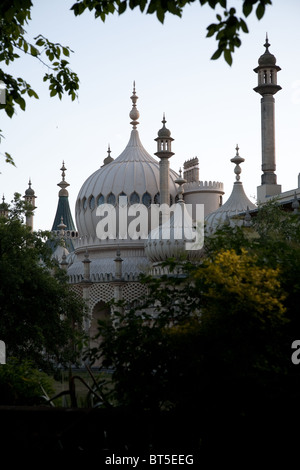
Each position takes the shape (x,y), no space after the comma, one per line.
(102,291)
(132,291)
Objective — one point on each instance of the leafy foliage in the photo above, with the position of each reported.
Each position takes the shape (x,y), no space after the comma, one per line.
(22,384)
(40,317)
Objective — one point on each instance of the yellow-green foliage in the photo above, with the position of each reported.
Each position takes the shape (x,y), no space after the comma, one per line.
(238,280)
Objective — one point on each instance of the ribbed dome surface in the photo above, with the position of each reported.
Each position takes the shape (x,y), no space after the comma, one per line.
(179,229)
(135,173)
(236,203)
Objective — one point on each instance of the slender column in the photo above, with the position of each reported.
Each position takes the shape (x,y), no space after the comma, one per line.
(164,181)
(268,140)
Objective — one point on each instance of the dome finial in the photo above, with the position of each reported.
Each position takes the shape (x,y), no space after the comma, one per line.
(63,169)
(267,44)
(237,160)
(134,114)
(63,184)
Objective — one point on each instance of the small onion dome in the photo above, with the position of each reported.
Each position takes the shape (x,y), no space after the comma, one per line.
(267,59)
(174,238)
(29,191)
(164,132)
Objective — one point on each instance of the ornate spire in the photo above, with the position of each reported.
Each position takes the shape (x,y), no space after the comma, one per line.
(63,184)
(180,181)
(237,159)
(134,113)
(109,158)
(62,227)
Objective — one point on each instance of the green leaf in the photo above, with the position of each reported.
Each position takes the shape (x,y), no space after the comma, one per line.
(31,93)
(66,51)
(228,56)
(160,14)
(247,7)
(216,55)
(260,11)
(34,51)
(40,42)
(212,29)
(244,26)
(122,8)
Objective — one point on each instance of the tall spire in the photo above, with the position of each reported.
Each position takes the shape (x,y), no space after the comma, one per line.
(63,184)
(267,87)
(134,113)
(237,159)
(63,208)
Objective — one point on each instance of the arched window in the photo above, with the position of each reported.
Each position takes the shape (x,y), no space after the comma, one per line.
(84,203)
(92,203)
(146,199)
(134,198)
(100,200)
(111,199)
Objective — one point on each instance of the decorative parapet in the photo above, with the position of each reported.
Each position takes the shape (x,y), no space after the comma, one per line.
(203,186)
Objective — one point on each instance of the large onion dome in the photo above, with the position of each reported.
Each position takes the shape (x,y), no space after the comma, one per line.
(135,174)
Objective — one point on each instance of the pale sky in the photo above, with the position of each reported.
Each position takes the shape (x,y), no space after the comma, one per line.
(209,106)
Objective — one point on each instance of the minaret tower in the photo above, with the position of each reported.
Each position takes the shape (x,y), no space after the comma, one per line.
(30,198)
(267,87)
(164,152)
